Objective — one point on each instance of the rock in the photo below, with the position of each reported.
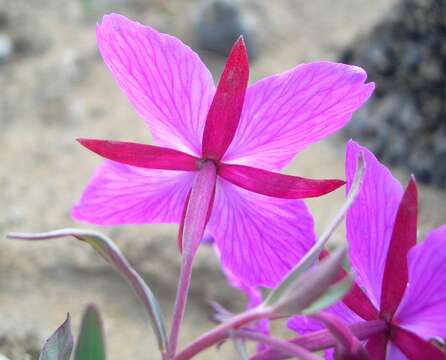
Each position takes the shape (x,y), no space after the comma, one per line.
(218,25)
(405,121)
(6,47)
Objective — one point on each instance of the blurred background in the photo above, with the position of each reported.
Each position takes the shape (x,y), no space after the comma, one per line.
(55,88)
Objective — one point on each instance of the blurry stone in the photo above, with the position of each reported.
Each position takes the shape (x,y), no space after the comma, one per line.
(405,121)
(218,25)
(6,47)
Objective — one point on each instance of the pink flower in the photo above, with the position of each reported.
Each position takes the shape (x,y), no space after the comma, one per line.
(246,133)
(399,281)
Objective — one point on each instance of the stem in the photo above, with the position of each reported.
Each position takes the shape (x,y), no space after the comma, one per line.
(285,347)
(318,340)
(222,332)
(323,339)
(194,224)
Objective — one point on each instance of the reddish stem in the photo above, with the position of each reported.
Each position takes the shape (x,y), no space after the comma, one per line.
(281,345)
(323,339)
(221,332)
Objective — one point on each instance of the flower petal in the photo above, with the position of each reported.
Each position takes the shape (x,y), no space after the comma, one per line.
(276,184)
(370,220)
(423,307)
(166,82)
(121,194)
(285,113)
(224,113)
(404,237)
(260,238)
(141,155)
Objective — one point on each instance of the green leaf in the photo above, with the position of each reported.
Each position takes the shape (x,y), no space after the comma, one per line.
(334,293)
(312,255)
(90,343)
(240,348)
(111,253)
(60,344)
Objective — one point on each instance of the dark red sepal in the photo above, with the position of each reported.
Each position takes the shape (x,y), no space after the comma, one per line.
(181,228)
(226,108)
(404,237)
(415,347)
(377,346)
(141,155)
(275,184)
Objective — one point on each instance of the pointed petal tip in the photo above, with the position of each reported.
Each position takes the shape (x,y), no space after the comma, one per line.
(240,50)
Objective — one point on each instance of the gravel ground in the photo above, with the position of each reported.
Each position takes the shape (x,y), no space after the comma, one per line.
(55,88)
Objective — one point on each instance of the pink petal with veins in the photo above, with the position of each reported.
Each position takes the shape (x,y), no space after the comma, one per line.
(120,194)
(285,113)
(166,82)
(370,220)
(260,238)
(423,307)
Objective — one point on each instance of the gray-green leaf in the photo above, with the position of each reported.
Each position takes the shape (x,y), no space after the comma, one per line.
(111,253)
(308,289)
(60,344)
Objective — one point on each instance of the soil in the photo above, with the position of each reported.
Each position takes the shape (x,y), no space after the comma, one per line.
(55,88)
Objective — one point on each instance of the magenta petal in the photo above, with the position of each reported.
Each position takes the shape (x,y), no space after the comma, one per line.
(166,82)
(121,194)
(404,237)
(226,107)
(140,155)
(285,113)
(275,184)
(260,238)
(415,347)
(370,220)
(423,306)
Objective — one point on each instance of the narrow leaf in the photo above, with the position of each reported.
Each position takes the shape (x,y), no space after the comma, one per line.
(60,344)
(141,155)
(334,293)
(226,108)
(111,253)
(275,184)
(90,343)
(239,346)
(313,254)
(303,292)
(356,300)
